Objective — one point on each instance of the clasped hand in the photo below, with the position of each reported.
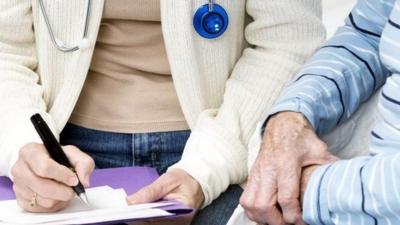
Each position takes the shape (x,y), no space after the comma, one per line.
(273,191)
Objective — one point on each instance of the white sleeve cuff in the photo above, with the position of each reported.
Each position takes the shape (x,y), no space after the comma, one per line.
(214,158)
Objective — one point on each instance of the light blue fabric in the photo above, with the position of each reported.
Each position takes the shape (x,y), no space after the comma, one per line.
(361,57)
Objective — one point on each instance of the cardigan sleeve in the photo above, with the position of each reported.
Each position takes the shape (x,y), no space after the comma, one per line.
(20,92)
(282,35)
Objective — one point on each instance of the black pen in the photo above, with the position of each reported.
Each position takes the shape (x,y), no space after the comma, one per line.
(55,151)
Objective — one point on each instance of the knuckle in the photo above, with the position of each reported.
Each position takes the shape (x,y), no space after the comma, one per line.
(89,161)
(251,216)
(285,201)
(28,147)
(246,204)
(44,168)
(69,149)
(24,152)
(243,201)
(72,149)
(322,146)
(15,171)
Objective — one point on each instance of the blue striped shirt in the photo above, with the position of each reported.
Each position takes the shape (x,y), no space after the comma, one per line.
(363,56)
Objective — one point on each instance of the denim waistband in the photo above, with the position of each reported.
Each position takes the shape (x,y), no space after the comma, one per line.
(109,149)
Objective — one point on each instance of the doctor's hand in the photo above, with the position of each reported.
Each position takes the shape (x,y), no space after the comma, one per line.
(272,194)
(175,184)
(39,179)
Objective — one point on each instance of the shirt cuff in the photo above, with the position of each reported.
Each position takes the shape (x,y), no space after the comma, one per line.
(19,133)
(292,105)
(315,205)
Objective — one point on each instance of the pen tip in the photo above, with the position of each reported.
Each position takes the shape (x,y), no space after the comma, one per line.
(84,198)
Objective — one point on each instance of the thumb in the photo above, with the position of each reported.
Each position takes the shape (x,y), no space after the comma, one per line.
(155,191)
(82,163)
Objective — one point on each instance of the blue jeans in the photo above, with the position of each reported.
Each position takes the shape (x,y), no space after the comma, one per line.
(157,150)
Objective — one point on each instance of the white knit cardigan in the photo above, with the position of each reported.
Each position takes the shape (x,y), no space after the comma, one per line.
(225,86)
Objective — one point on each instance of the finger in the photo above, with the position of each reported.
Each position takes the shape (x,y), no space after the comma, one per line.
(44,187)
(259,199)
(185,200)
(42,165)
(274,216)
(266,202)
(27,193)
(83,163)
(252,217)
(157,190)
(249,194)
(289,192)
(25,205)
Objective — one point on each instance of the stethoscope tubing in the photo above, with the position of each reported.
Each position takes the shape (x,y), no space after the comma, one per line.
(55,42)
(202,12)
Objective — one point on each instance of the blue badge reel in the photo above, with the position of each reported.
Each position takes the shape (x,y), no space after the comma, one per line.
(211,21)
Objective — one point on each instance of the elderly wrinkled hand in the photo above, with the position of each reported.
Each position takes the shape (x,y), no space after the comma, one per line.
(272,194)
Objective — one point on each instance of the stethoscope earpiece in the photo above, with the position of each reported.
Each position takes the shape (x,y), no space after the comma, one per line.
(210,21)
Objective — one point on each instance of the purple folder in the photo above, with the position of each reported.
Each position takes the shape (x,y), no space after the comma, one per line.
(131,179)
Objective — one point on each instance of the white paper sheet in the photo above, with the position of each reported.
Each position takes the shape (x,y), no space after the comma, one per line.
(106,204)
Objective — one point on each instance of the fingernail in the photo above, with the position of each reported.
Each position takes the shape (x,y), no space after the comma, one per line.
(73,181)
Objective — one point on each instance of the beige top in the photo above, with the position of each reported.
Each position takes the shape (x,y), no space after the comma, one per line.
(129,87)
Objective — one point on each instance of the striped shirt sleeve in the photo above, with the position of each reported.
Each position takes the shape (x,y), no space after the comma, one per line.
(343,73)
(362,191)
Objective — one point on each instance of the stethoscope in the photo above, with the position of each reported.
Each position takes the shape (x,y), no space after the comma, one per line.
(210,21)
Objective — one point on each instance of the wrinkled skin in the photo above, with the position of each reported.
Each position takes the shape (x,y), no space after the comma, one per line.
(272,195)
